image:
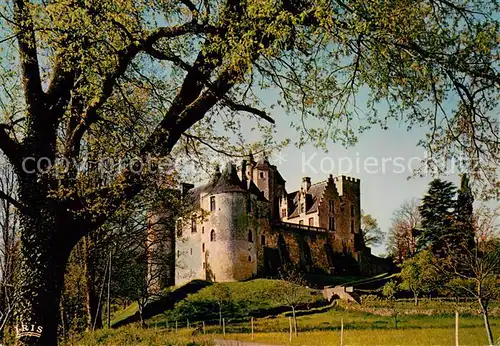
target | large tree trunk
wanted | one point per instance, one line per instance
(47, 235)
(487, 327)
(43, 258)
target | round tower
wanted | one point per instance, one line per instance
(230, 252)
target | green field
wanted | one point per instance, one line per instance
(246, 298)
(432, 322)
(407, 337)
(370, 330)
(360, 328)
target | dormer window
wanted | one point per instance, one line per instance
(302, 207)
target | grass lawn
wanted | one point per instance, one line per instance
(132, 335)
(360, 328)
(406, 337)
(431, 323)
(124, 313)
(246, 298)
(354, 320)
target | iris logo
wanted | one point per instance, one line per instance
(28, 330)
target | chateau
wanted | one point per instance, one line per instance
(244, 224)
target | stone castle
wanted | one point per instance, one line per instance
(244, 224)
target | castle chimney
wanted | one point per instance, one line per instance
(216, 174)
(251, 163)
(243, 170)
(306, 183)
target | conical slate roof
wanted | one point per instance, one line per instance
(228, 181)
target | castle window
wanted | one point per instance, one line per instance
(249, 205)
(262, 240)
(212, 235)
(262, 175)
(283, 213)
(352, 226)
(331, 224)
(203, 247)
(250, 236)
(352, 210)
(311, 221)
(212, 203)
(191, 251)
(178, 253)
(301, 222)
(204, 265)
(193, 225)
(179, 227)
(202, 229)
(332, 206)
(302, 207)
(249, 258)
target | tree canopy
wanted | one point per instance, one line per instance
(135, 81)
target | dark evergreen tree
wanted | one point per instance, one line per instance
(438, 217)
(464, 212)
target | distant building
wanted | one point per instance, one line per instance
(244, 224)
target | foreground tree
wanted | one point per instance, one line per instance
(222, 295)
(419, 275)
(476, 272)
(292, 292)
(389, 290)
(148, 76)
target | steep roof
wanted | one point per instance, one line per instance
(225, 182)
(313, 196)
(316, 191)
(228, 181)
(279, 178)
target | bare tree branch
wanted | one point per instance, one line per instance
(244, 108)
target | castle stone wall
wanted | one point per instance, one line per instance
(306, 250)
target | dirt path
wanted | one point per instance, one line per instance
(221, 342)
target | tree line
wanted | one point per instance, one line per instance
(446, 247)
